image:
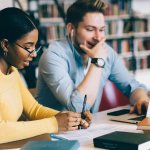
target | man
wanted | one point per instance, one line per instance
(81, 64)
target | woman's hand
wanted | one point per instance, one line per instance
(68, 121)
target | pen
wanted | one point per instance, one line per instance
(83, 110)
(53, 136)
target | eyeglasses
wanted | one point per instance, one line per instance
(30, 52)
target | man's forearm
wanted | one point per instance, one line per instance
(90, 84)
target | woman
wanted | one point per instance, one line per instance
(18, 37)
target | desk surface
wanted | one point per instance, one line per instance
(16, 144)
(100, 122)
(101, 125)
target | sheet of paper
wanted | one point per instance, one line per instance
(148, 111)
(85, 136)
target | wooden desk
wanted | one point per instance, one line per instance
(20, 143)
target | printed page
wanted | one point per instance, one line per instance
(85, 136)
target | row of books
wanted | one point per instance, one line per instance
(54, 32)
(49, 9)
(119, 7)
(137, 63)
(129, 45)
(121, 26)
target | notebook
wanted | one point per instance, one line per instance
(128, 118)
(52, 145)
(123, 141)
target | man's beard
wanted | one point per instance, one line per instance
(77, 47)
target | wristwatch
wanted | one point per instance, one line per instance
(99, 62)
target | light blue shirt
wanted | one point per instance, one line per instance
(61, 71)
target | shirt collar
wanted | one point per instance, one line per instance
(74, 51)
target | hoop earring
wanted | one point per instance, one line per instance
(5, 53)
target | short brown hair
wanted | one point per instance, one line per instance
(78, 9)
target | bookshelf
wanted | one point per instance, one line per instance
(127, 32)
(51, 19)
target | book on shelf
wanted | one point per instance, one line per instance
(118, 7)
(123, 141)
(144, 125)
(126, 30)
(53, 145)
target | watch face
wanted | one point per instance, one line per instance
(100, 62)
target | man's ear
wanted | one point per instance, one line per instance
(70, 30)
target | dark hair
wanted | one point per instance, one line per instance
(78, 9)
(14, 23)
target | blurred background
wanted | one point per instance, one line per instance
(127, 30)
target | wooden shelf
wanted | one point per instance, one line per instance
(128, 35)
(51, 21)
(138, 54)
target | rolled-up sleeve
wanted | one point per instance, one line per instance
(76, 102)
(122, 78)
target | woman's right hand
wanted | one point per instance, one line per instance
(68, 121)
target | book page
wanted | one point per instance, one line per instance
(85, 136)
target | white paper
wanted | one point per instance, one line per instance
(148, 111)
(85, 136)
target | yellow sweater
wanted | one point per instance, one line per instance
(16, 99)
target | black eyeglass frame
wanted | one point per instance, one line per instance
(30, 52)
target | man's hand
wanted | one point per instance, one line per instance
(88, 117)
(88, 120)
(98, 51)
(141, 101)
(139, 107)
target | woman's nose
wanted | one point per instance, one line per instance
(33, 54)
